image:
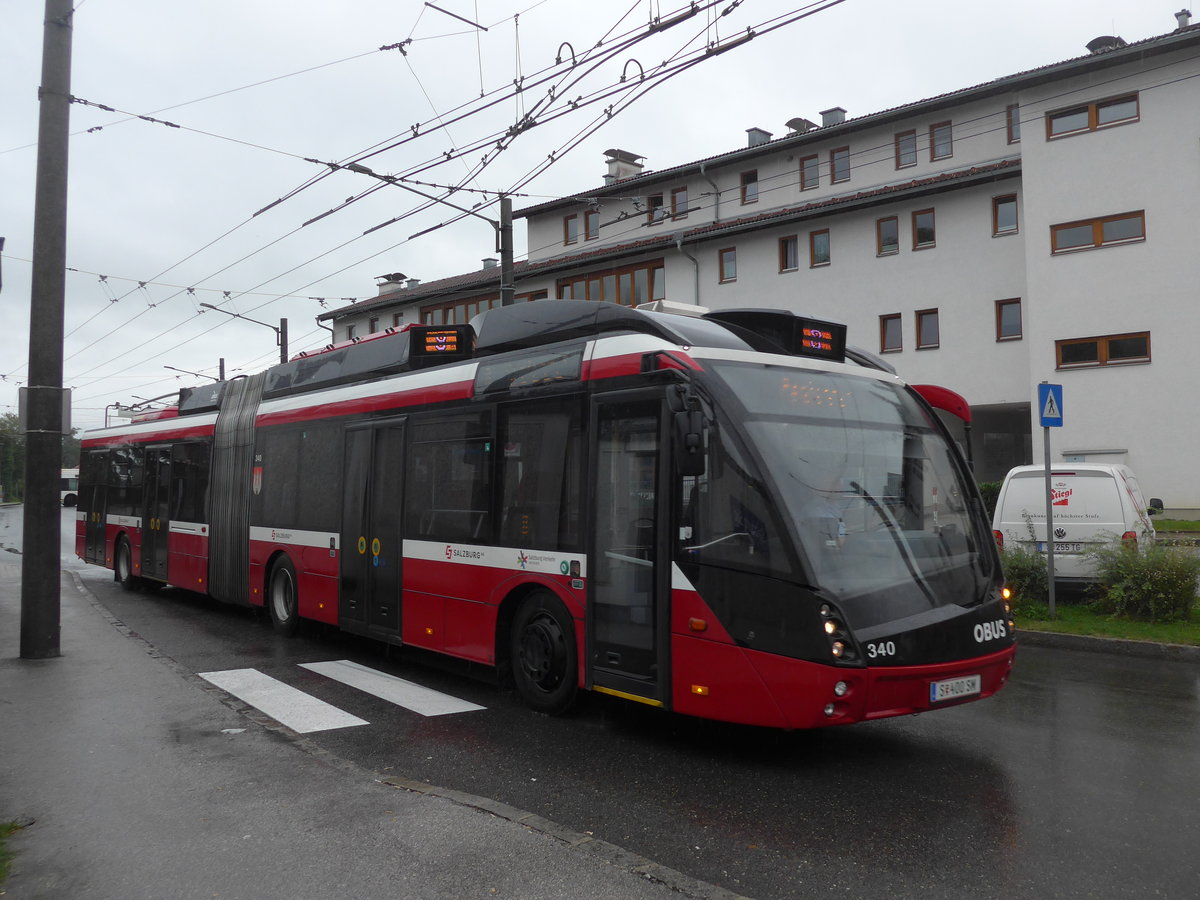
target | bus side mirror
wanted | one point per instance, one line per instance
(1156, 507)
(689, 442)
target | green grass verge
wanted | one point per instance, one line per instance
(1175, 525)
(6, 828)
(1081, 619)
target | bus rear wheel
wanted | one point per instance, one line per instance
(283, 598)
(543, 654)
(123, 566)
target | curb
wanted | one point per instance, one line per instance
(1118, 646)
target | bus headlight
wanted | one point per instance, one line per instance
(839, 689)
(838, 649)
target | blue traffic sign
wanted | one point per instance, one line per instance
(1050, 405)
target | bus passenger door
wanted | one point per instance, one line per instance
(371, 542)
(155, 518)
(627, 615)
(93, 470)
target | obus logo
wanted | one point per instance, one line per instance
(990, 631)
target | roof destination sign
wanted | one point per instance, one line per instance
(1050, 405)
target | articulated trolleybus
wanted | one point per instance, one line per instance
(728, 515)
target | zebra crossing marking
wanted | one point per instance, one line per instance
(417, 698)
(299, 711)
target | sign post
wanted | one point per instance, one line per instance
(1050, 405)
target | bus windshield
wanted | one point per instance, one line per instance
(871, 490)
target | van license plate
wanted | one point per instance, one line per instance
(954, 688)
(1062, 547)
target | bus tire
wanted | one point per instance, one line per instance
(542, 654)
(283, 597)
(123, 565)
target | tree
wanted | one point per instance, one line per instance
(12, 458)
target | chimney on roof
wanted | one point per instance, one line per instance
(1104, 43)
(621, 165)
(833, 116)
(1184, 18)
(391, 282)
(490, 262)
(800, 126)
(412, 283)
(757, 137)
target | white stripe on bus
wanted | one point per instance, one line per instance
(188, 527)
(414, 697)
(295, 537)
(544, 562)
(295, 709)
(463, 373)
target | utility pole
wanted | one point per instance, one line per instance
(40, 597)
(506, 251)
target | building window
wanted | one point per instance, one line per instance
(679, 203)
(1089, 233)
(626, 286)
(570, 229)
(1004, 215)
(1008, 320)
(654, 209)
(351, 331)
(1102, 113)
(923, 233)
(906, 149)
(750, 186)
(810, 172)
(591, 224)
(928, 335)
(372, 324)
(818, 248)
(839, 164)
(941, 141)
(458, 312)
(395, 320)
(891, 339)
(789, 253)
(728, 263)
(1110, 350)
(1012, 114)
(887, 236)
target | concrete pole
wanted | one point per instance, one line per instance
(40, 598)
(506, 251)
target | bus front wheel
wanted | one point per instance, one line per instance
(282, 598)
(543, 655)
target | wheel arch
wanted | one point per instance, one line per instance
(507, 610)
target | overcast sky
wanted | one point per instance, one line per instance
(262, 87)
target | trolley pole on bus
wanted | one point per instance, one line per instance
(1050, 404)
(281, 333)
(43, 406)
(506, 251)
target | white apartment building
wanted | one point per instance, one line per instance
(1038, 227)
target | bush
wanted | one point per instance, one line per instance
(1157, 584)
(991, 492)
(1025, 573)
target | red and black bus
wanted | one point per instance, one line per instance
(729, 515)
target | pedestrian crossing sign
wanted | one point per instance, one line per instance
(1050, 405)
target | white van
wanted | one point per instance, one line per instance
(1093, 504)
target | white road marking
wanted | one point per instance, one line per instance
(411, 696)
(295, 709)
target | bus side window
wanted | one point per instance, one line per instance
(448, 495)
(540, 476)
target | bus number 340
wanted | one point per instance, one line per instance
(881, 648)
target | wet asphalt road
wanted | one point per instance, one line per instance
(1081, 779)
